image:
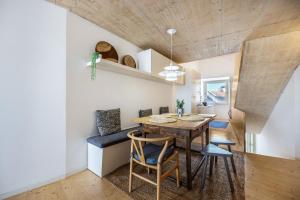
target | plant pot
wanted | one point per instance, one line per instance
(180, 111)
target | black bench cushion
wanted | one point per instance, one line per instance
(108, 121)
(108, 140)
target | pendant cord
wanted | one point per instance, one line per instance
(221, 31)
(172, 71)
(171, 62)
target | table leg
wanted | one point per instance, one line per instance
(188, 160)
(202, 139)
(144, 134)
(207, 135)
(143, 131)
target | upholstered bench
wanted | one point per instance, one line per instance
(111, 148)
(107, 153)
(109, 140)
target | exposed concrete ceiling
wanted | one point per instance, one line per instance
(267, 65)
(268, 30)
(205, 28)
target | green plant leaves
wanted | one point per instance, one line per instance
(94, 57)
(179, 104)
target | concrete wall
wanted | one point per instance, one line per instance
(109, 90)
(280, 135)
(267, 65)
(33, 97)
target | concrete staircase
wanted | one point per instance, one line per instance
(269, 58)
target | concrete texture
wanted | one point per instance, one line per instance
(267, 65)
(205, 28)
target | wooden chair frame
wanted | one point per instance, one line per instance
(137, 146)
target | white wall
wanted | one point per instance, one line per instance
(187, 91)
(215, 67)
(109, 90)
(221, 66)
(280, 136)
(32, 101)
(297, 111)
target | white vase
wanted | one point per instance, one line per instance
(179, 112)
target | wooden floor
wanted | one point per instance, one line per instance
(266, 178)
(81, 186)
(270, 178)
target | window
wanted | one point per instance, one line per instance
(250, 143)
(216, 90)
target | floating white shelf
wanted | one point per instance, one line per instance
(129, 71)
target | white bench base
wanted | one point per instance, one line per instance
(103, 161)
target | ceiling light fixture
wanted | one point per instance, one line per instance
(171, 72)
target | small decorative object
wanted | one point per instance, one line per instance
(179, 112)
(202, 101)
(129, 61)
(94, 57)
(179, 106)
(107, 51)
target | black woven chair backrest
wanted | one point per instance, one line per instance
(163, 110)
(145, 113)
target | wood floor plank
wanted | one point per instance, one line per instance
(271, 178)
(266, 178)
(81, 186)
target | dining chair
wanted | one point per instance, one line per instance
(145, 113)
(228, 143)
(143, 152)
(209, 152)
(148, 130)
(163, 110)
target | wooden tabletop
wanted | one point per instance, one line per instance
(179, 124)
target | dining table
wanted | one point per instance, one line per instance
(181, 128)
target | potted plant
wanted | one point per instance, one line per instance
(94, 58)
(203, 101)
(179, 106)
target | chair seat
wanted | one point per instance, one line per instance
(213, 150)
(218, 124)
(152, 151)
(221, 141)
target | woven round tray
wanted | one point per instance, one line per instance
(129, 61)
(107, 51)
(192, 118)
(162, 120)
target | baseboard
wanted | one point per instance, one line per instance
(75, 171)
(31, 187)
